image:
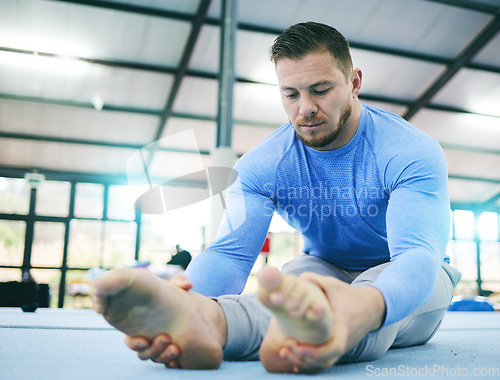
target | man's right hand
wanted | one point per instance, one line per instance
(161, 349)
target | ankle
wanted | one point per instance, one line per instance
(375, 305)
(216, 320)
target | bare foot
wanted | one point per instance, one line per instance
(140, 304)
(301, 311)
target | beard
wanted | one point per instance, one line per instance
(317, 142)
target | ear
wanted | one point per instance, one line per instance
(356, 77)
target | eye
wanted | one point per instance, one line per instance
(291, 95)
(321, 92)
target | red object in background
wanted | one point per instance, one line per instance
(266, 249)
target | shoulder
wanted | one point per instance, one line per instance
(257, 167)
(268, 153)
(401, 148)
(392, 133)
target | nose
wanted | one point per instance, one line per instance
(307, 107)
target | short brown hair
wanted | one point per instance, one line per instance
(309, 37)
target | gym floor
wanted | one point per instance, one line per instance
(79, 344)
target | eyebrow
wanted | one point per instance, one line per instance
(322, 83)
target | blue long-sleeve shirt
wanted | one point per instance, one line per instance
(382, 197)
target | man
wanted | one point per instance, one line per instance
(368, 192)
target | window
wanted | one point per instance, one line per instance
(121, 201)
(93, 240)
(52, 277)
(52, 198)
(153, 248)
(85, 243)
(463, 256)
(490, 261)
(184, 225)
(119, 243)
(464, 224)
(48, 244)
(487, 226)
(12, 234)
(15, 197)
(89, 200)
(8, 274)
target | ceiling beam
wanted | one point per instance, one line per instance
(104, 62)
(182, 115)
(470, 5)
(107, 144)
(103, 178)
(183, 66)
(492, 201)
(475, 207)
(447, 108)
(477, 179)
(485, 36)
(132, 8)
(466, 148)
(72, 103)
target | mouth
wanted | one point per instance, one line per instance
(310, 127)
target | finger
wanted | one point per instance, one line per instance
(173, 364)
(136, 343)
(301, 364)
(285, 354)
(169, 355)
(314, 364)
(154, 351)
(181, 281)
(318, 280)
(329, 285)
(323, 356)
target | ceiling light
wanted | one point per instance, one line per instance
(97, 102)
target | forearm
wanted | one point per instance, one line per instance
(407, 283)
(223, 268)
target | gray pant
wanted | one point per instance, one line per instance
(247, 319)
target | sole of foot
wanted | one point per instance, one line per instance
(140, 304)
